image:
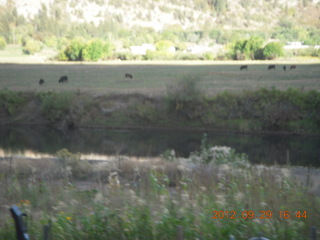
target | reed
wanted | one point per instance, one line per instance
(131, 199)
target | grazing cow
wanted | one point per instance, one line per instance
(128, 76)
(293, 67)
(244, 67)
(272, 67)
(41, 81)
(284, 68)
(63, 79)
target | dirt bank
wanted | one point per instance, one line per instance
(258, 111)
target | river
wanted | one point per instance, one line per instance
(265, 149)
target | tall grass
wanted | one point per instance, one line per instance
(151, 199)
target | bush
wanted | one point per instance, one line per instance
(54, 106)
(246, 49)
(3, 43)
(10, 101)
(124, 56)
(73, 51)
(93, 50)
(32, 46)
(186, 98)
(273, 50)
(79, 168)
(218, 155)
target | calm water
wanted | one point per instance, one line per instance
(267, 149)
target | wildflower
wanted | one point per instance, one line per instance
(69, 218)
(220, 200)
(98, 198)
(239, 196)
(24, 202)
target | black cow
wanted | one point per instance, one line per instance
(244, 67)
(293, 67)
(63, 79)
(284, 68)
(272, 67)
(41, 81)
(128, 76)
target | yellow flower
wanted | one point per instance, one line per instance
(69, 218)
(25, 202)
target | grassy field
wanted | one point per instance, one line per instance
(147, 199)
(153, 78)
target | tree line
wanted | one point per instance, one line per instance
(111, 39)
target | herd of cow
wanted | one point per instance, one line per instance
(128, 76)
(64, 79)
(270, 67)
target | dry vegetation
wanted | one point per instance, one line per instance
(129, 198)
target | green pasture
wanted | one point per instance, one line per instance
(154, 78)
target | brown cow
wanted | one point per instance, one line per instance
(63, 79)
(128, 76)
(272, 67)
(293, 67)
(244, 67)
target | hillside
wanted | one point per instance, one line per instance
(188, 14)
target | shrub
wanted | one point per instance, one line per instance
(79, 168)
(246, 49)
(73, 51)
(10, 101)
(54, 106)
(93, 50)
(186, 98)
(32, 46)
(273, 50)
(3, 43)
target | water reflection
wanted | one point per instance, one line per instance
(267, 149)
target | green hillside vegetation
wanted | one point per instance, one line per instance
(244, 29)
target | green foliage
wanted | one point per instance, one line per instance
(186, 98)
(163, 45)
(247, 49)
(10, 101)
(150, 208)
(218, 155)
(32, 46)
(93, 50)
(54, 106)
(273, 50)
(3, 43)
(144, 112)
(73, 51)
(158, 55)
(78, 168)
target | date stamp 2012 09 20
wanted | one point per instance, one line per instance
(258, 214)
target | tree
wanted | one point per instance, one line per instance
(93, 50)
(32, 46)
(273, 50)
(73, 51)
(244, 49)
(2, 43)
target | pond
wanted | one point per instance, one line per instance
(266, 149)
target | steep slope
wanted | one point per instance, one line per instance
(189, 14)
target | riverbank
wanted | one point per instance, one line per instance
(218, 199)
(261, 111)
